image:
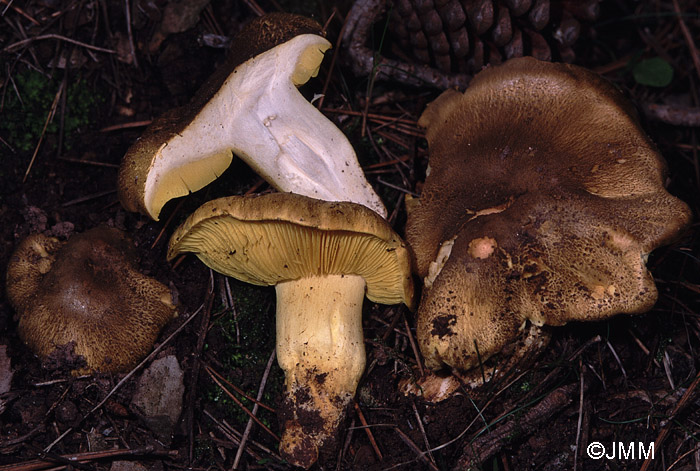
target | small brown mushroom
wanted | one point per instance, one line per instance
(543, 200)
(87, 291)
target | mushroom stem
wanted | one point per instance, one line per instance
(322, 256)
(320, 347)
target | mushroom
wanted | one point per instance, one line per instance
(251, 107)
(322, 258)
(87, 291)
(543, 200)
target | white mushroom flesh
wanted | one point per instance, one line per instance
(260, 115)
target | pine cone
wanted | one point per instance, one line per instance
(456, 38)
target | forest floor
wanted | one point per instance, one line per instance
(101, 75)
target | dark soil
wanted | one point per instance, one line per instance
(629, 379)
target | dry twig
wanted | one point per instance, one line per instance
(10, 4)
(370, 436)
(687, 398)
(72, 460)
(675, 115)
(687, 35)
(24, 42)
(214, 377)
(49, 117)
(486, 446)
(420, 453)
(128, 376)
(194, 375)
(249, 425)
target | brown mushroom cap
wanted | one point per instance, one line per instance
(276, 237)
(543, 199)
(87, 291)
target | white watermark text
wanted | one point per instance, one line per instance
(621, 451)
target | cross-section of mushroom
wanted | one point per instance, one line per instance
(250, 107)
(322, 257)
(87, 291)
(543, 200)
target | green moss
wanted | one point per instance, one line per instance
(24, 111)
(661, 350)
(244, 341)
(525, 386)
(204, 449)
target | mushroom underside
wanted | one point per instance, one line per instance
(323, 257)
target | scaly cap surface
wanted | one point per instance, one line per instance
(543, 199)
(87, 291)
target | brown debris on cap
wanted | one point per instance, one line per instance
(543, 200)
(87, 291)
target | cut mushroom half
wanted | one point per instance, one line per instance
(549, 197)
(323, 258)
(250, 107)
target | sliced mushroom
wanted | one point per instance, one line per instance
(322, 257)
(87, 291)
(250, 107)
(543, 201)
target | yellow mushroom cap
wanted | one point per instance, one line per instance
(277, 237)
(543, 199)
(87, 291)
